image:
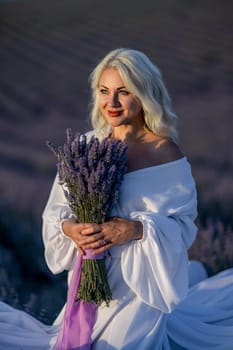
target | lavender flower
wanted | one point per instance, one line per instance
(91, 173)
(213, 246)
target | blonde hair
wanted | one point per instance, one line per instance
(143, 79)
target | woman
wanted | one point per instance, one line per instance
(153, 306)
(153, 224)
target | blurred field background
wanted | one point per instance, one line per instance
(47, 50)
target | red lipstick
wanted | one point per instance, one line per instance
(112, 113)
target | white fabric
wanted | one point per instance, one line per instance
(160, 300)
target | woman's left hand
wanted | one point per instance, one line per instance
(116, 231)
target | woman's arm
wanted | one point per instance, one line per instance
(156, 267)
(60, 250)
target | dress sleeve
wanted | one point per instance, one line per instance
(60, 250)
(156, 267)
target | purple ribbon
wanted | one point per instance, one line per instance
(76, 328)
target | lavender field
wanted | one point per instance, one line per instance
(47, 51)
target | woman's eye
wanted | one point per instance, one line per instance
(103, 91)
(124, 92)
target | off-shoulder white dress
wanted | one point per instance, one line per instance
(160, 300)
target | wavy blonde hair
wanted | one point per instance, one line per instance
(143, 79)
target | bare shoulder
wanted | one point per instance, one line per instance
(168, 151)
(154, 150)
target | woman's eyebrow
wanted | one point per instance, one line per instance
(119, 88)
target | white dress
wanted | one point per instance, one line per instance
(160, 300)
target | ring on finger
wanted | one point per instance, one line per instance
(105, 241)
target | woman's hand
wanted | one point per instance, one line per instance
(101, 237)
(73, 230)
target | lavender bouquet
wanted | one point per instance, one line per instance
(91, 172)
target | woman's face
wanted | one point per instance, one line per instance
(116, 103)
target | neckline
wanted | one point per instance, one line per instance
(158, 166)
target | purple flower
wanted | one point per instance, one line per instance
(91, 173)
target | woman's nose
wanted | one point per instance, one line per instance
(114, 100)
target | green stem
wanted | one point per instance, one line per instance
(94, 287)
